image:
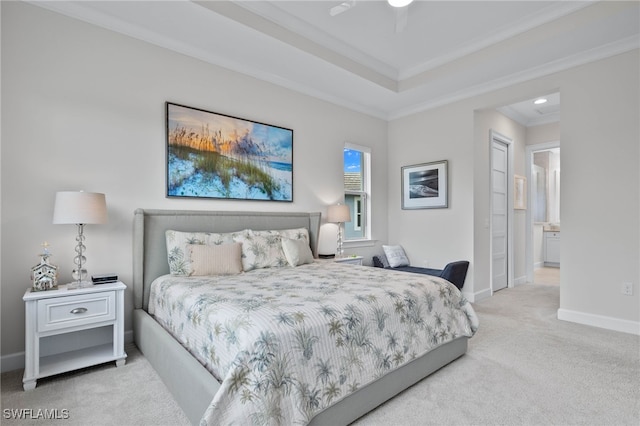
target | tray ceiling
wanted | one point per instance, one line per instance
(373, 58)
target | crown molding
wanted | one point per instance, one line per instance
(592, 55)
(513, 29)
(519, 118)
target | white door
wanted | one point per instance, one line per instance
(499, 214)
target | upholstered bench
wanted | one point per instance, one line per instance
(454, 272)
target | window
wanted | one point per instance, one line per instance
(357, 160)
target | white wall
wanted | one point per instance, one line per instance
(83, 108)
(600, 190)
(434, 237)
(459, 134)
(600, 186)
(543, 133)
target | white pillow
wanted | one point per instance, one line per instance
(297, 252)
(224, 259)
(395, 256)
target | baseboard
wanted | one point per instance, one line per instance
(601, 321)
(476, 297)
(520, 280)
(12, 362)
(15, 361)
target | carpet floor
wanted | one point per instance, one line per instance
(103, 395)
(523, 367)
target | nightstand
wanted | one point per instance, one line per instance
(65, 329)
(351, 260)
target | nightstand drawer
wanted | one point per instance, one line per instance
(350, 260)
(73, 311)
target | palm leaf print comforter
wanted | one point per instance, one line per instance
(286, 343)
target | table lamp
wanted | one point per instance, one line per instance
(79, 208)
(339, 213)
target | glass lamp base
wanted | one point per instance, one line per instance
(79, 276)
(79, 284)
(79, 279)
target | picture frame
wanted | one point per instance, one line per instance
(218, 156)
(519, 192)
(425, 186)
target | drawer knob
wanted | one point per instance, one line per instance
(79, 310)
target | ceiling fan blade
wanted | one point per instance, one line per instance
(342, 7)
(402, 17)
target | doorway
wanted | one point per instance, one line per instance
(543, 218)
(501, 214)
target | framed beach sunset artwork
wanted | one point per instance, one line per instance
(211, 155)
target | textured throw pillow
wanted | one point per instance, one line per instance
(297, 252)
(261, 249)
(396, 256)
(295, 234)
(224, 259)
(177, 242)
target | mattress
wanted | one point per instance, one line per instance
(286, 343)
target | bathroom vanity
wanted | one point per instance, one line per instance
(551, 245)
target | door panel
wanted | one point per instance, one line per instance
(499, 214)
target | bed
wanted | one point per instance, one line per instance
(193, 383)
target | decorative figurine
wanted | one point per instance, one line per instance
(44, 275)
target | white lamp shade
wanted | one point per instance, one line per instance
(338, 213)
(80, 207)
(399, 3)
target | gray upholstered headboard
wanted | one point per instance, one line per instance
(149, 243)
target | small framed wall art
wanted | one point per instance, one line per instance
(425, 186)
(212, 155)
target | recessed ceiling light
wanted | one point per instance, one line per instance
(540, 101)
(399, 3)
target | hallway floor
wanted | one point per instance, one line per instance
(546, 276)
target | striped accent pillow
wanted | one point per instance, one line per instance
(224, 259)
